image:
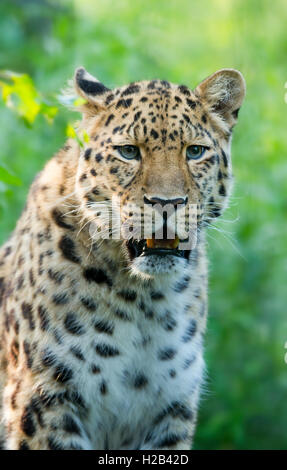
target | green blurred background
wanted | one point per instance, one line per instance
(244, 405)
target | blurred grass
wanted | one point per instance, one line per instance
(244, 406)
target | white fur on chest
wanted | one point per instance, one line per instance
(154, 368)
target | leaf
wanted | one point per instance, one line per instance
(81, 137)
(70, 131)
(8, 178)
(20, 94)
(86, 137)
(79, 101)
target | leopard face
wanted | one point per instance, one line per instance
(153, 146)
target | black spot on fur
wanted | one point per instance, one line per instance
(89, 303)
(165, 83)
(105, 350)
(190, 331)
(171, 440)
(97, 275)
(183, 89)
(27, 351)
(27, 423)
(152, 85)
(27, 313)
(48, 358)
(72, 325)
(225, 161)
(62, 373)
(95, 369)
(175, 410)
(215, 212)
(137, 116)
(166, 354)
(8, 251)
(60, 299)
(68, 249)
(222, 190)
(103, 388)
(124, 103)
(70, 426)
(87, 154)
(122, 315)
(20, 282)
(187, 362)
(54, 445)
(77, 353)
(186, 118)
(191, 103)
(157, 295)
(109, 98)
(131, 89)
(127, 295)
(31, 278)
(104, 326)
(140, 381)
(56, 276)
(116, 129)
(44, 320)
(154, 134)
(182, 284)
(168, 322)
(59, 219)
(98, 157)
(110, 118)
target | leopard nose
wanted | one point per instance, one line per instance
(153, 200)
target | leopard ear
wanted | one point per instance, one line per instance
(223, 92)
(89, 88)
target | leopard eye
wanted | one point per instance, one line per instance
(130, 152)
(194, 152)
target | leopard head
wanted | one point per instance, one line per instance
(156, 168)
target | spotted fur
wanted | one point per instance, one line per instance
(99, 351)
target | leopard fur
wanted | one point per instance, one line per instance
(98, 350)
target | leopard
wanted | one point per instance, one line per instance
(102, 328)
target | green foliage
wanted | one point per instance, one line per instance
(19, 93)
(244, 405)
(8, 178)
(81, 138)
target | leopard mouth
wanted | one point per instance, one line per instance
(153, 246)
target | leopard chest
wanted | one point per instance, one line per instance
(149, 360)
